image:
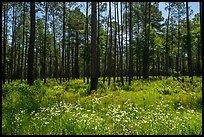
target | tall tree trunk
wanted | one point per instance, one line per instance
(12, 44)
(198, 73)
(94, 61)
(130, 46)
(190, 71)
(32, 43)
(65, 62)
(167, 62)
(87, 46)
(7, 65)
(199, 69)
(59, 55)
(25, 61)
(41, 57)
(149, 42)
(201, 28)
(36, 62)
(18, 62)
(68, 57)
(63, 44)
(138, 52)
(146, 48)
(171, 52)
(44, 47)
(183, 63)
(158, 65)
(76, 65)
(106, 50)
(115, 43)
(15, 58)
(110, 48)
(98, 41)
(178, 56)
(50, 69)
(55, 50)
(72, 58)
(84, 57)
(4, 48)
(126, 72)
(121, 46)
(23, 42)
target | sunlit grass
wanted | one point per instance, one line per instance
(155, 107)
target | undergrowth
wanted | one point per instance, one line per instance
(153, 106)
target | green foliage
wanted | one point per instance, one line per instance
(146, 107)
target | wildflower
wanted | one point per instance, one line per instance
(46, 123)
(181, 107)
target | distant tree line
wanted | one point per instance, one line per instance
(121, 41)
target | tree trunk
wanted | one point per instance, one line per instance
(198, 59)
(178, 56)
(201, 28)
(4, 48)
(94, 61)
(32, 43)
(190, 71)
(110, 48)
(106, 50)
(130, 46)
(23, 42)
(76, 65)
(72, 48)
(36, 61)
(50, 69)
(63, 44)
(25, 61)
(126, 72)
(55, 50)
(167, 62)
(98, 41)
(146, 48)
(115, 44)
(121, 46)
(149, 20)
(87, 46)
(138, 65)
(44, 47)
(68, 57)
(12, 45)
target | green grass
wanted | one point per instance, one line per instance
(147, 107)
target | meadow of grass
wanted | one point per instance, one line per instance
(147, 107)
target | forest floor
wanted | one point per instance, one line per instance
(156, 107)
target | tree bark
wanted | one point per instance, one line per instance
(68, 57)
(126, 72)
(87, 46)
(106, 50)
(44, 47)
(167, 62)
(178, 56)
(121, 46)
(76, 65)
(110, 48)
(146, 48)
(63, 44)
(190, 71)
(94, 61)
(130, 47)
(4, 48)
(55, 50)
(115, 45)
(32, 43)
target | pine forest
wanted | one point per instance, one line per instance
(101, 68)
